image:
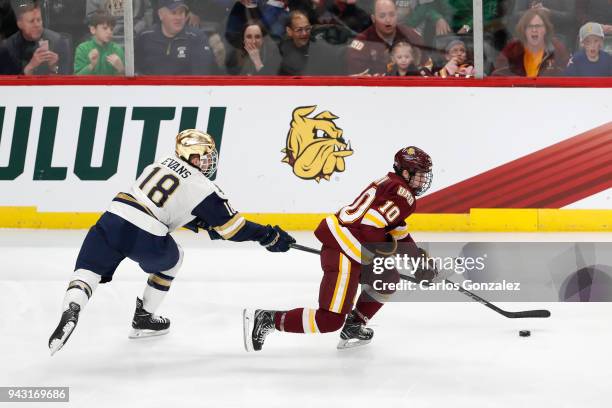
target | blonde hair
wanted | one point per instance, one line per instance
(414, 51)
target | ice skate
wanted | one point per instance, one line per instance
(257, 324)
(64, 329)
(354, 333)
(145, 324)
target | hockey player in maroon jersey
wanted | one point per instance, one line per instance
(377, 215)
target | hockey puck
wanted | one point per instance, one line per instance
(524, 333)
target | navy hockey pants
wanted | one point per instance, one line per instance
(113, 239)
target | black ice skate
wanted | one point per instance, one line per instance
(145, 324)
(354, 333)
(64, 329)
(257, 324)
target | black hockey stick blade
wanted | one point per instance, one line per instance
(528, 313)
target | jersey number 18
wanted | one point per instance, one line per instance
(162, 190)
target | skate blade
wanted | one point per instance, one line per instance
(248, 318)
(141, 334)
(348, 344)
(57, 344)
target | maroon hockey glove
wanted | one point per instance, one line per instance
(425, 272)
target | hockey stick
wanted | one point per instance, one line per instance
(512, 315)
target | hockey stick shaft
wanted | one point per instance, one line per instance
(305, 249)
(512, 315)
(475, 297)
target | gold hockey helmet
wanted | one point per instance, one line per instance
(192, 141)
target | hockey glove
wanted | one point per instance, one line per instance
(276, 240)
(425, 272)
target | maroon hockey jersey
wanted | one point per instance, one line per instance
(377, 215)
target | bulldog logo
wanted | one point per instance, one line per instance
(315, 147)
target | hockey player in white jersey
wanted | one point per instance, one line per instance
(171, 193)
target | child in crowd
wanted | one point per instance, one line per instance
(591, 60)
(457, 64)
(100, 55)
(404, 59)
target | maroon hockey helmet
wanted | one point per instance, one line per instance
(414, 160)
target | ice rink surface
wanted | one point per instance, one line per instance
(422, 355)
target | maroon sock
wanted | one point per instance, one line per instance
(319, 321)
(366, 307)
(289, 321)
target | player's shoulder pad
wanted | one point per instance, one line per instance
(357, 45)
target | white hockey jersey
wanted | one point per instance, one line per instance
(169, 194)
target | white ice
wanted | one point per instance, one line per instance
(423, 354)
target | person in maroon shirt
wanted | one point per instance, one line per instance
(369, 52)
(377, 215)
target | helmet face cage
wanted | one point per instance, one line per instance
(190, 142)
(418, 164)
(208, 162)
(423, 178)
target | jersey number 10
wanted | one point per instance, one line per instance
(353, 212)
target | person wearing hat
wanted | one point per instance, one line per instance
(172, 48)
(35, 49)
(591, 60)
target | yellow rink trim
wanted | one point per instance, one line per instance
(479, 219)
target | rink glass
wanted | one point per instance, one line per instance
(439, 22)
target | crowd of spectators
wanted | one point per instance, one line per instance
(306, 37)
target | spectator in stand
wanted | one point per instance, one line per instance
(457, 63)
(562, 15)
(35, 49)
(100, 55)
(172, 48)
(208, 16)
(301, 56)
(259, 54)
(595, 10)
(404, 60)
(8, 24)
(142, 12)
(535, 52)
(272, 13)
(591, 60)
(368, 53)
